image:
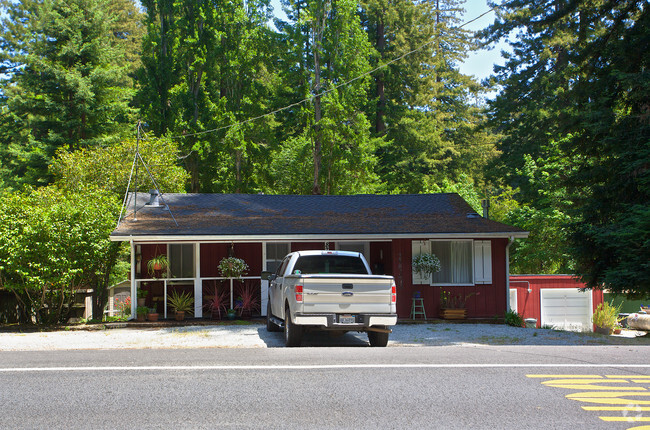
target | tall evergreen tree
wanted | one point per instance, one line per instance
(329, 48)
(206, 67)
(422, 104)
(68, 85)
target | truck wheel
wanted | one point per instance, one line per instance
(378, 339)
(270, 325)
(292, 332)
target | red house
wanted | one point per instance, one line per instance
(195, 231)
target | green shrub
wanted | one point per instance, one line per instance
(514, 319)
(606, 315)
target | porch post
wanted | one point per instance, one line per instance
(134, 290)
(264, 284)
(198, 285)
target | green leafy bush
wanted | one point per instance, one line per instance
(514, 318)
(606, 315)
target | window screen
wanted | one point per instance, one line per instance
(275, 252)
(181, 260)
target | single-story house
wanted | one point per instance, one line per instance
(195, 231)
(558, 301)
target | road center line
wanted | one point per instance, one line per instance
(320, 367)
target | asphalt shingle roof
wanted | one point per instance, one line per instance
(273, 215)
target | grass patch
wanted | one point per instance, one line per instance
(500, 340)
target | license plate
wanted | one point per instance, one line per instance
(347, 319)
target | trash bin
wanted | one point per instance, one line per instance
(531, 322)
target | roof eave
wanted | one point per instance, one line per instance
(314, 237)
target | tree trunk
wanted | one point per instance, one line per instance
(380, 126)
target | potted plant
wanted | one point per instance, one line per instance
(158, 263)
(232, 314)
(142, 294)
(182, 303)
(217, 303)
(605, 317)
(453, 306)
(232, 267)
(249, 300)
(426, 264)
(152, 315)
(141, 312)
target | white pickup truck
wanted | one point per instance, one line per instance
(330, 290)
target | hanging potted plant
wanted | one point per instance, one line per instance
(426, 264)
(182, 303)
(158, 263)
(233, 267)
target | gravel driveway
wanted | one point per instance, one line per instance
(254, 335)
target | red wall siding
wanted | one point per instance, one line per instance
(483, 301)
(381, 258)
(529, 304)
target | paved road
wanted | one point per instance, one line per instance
(450, 387)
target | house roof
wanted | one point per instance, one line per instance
(258, 216)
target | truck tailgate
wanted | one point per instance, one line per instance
(349, 294)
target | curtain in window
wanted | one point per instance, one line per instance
(461, 257)
(455, 261)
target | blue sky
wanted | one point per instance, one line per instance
(479, 63)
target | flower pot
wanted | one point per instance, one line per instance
(152, 317)
(232, 315)
(180, 315)
(141, 301)
(453, 314)
(604, 330)
(141, 317)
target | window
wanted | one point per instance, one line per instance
(482, 261)
(455, 260)
(420, 247)
(275, 252)
(312, 264)
(181, 260)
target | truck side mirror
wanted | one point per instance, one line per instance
(267, 276)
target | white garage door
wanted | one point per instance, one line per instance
(566, 309)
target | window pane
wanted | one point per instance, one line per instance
(455, 261)
(442, 250)
(181, 260)
(275, 252)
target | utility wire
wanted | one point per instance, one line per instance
(363, 75)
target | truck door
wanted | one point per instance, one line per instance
(275, 287)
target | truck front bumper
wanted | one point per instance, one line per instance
(331, 321)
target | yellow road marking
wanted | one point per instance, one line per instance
(626, 419)
(617, 408)
(590, 384)
(610, 397)
(565, 376)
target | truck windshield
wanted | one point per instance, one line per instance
(314, 264)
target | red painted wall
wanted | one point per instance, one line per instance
(483, 300)
(529, 304)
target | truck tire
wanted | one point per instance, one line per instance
(292, 332)
(378, 339)
(270, 325)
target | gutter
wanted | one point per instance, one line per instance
(157, 238)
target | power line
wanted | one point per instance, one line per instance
(363, 75)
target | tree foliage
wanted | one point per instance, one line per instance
(54, 241)
(67, 82)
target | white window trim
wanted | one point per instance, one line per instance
(454, 284)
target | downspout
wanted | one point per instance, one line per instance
(511, 240)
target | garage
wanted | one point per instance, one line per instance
(554, 300)
(566, 309)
